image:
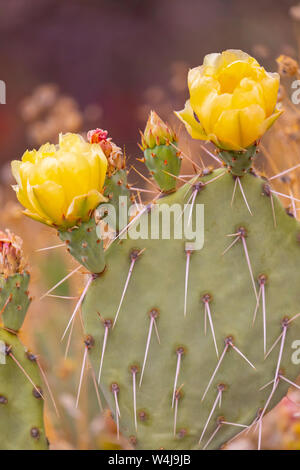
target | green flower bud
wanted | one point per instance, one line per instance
(157, 132)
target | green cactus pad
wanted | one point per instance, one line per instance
(85, 246)
(115, 186)
(238, 162)
(21, 406)
(160, 161)
(157, 284)
(14, 300)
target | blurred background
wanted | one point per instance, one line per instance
(79, 64)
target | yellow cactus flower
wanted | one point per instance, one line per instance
(61, 185)
(232, 100)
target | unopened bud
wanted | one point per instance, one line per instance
(112, 152)
(12, 260)
(157, 132)
(95, 136)
(99, 136)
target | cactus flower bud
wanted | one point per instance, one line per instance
(156, 132)
(95, 136)
(60, 185)
(14, 279)
(113, 153)
(99, 136)
(12, 260)
(161, 154)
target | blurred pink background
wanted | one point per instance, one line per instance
(116, 59)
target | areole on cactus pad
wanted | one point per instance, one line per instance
(191, 346)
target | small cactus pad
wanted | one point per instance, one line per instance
(14, 299)
(238, 162)
(163, 161)
(261, 269)
(85, 246)
(21, 404)
(115, 186)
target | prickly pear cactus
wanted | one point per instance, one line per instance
(191, 342)
(221, 292)
(21, 396)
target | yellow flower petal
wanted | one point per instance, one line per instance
(231, 76)
(270, 86)
(34, 216)
(22, 198)
(200, 86)
(228, 130)
(21, 188)
(103, 168)
(94, 162)
(46, 150)
(232, 55)
(81, 206)
(29, 156)
(70, 142)
(203, 91)
(240, 128)
(195, 129)
(75, 174)
(24, 172)
(212, 61)
(251, 120)
(15, 169)
(29, 173)
(203, 108)
(269, 121)
(34, 204)
(51, 199)
(50, 170)
(214, 109)
(247, 93)
(99, 162)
